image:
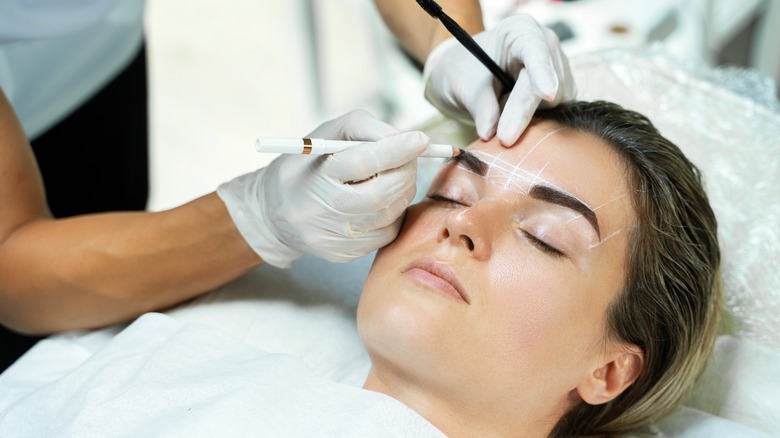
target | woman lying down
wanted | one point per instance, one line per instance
(566, 286)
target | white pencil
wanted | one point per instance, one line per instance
(319, 146)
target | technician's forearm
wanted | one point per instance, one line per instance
(418, 32)
(95, 270)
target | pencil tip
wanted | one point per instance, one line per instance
(456, 151)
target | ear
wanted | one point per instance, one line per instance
(613, 375)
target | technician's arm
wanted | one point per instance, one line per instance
(94, 270)
(418, 32)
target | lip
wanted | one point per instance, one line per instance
(438, 276)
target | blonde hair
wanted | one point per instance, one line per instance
(670, 303)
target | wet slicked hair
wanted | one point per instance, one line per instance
(670, 302)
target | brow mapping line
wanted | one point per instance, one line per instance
(504, 166)
(538, 176)
(609, 236)
(530, 151)
(541, 140)
(577, 216)
(529, 180)
(518, 176)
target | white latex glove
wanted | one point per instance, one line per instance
(461, 87)
(337, 207)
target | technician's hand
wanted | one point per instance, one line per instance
(462, 88)
(338, 207)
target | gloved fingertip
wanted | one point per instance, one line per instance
(548, 89)
(486, 132)
(507, 141)
(545, 82)
(422, 138)
(486, 126)
(509, 134)
(416, 138)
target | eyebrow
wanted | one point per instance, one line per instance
(554, 196)
(471, 162)
(542, 193)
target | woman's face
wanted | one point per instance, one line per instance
(494, 294)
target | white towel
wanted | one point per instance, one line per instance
(162, 377)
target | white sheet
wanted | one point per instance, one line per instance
(160, 377)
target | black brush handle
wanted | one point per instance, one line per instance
(468, 42)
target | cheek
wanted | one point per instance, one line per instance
(535, 313)
(384, 307)
(420, 225)
(522, 302)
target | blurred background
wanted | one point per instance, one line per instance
(223, 73)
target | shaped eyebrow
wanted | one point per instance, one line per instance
(471, 162)
(554, 196)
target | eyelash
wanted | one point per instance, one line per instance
(443, 199)
(540, 244)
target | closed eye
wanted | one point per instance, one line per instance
(445, 200)
(542, 245)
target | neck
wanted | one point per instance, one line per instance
(455, 417)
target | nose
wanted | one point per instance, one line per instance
(472, 228)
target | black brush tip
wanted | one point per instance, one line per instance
(431, 7)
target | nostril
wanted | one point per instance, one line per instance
(469, 242)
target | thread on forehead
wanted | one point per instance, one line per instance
(577, 216)
(541, 140)
(538, 176)
(610, 201)
(516, 169)
(491, 164)
(609, 236)
(497, 164)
